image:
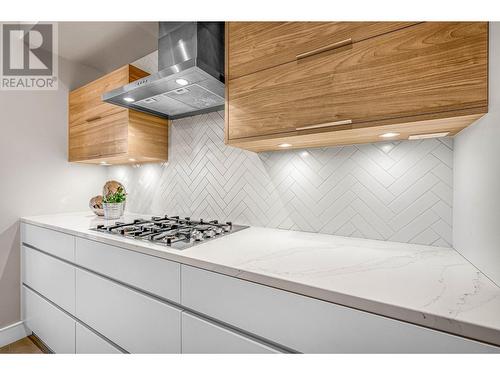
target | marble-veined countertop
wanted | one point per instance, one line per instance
(431, 286)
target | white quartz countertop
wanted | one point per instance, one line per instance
(431, 286)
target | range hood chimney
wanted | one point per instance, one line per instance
(190, 78)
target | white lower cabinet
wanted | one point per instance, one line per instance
(49, 276)
(87, 342)
(201, 336)
(49, 323)
(106, 299)
(308, 325)
(134, 321)
(154, 275)
(56, 243)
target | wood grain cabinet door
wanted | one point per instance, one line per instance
(257, 46)
(423, 69)
(99, 131)
(100, 137)
(85, 103)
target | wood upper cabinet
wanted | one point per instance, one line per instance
(411, 79)
(103, 132)
(257, 46)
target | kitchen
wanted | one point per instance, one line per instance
(251, 187)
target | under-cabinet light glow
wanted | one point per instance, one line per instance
(388, 135)
(429, 135)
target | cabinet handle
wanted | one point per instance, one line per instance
(325, 125)
(93, 118)
(329, 47)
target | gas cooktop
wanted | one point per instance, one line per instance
(173, 231)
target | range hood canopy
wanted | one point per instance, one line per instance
(190, 78)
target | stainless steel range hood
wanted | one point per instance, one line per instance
(190, 78)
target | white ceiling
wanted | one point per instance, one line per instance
(106, 46)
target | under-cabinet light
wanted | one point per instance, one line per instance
(388, 135)
(428, 135)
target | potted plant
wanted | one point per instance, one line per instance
(114, 204)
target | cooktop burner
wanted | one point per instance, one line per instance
(173, 231)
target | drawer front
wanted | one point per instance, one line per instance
(309, 325)
(423, 69)
(50, 324)
(255, 46)
(87, 342)
(87, 113)
(104, 136)
(52, 278)
(203, 337)
(52, 242)
(85, 103)
(151, 274)
(135, 322)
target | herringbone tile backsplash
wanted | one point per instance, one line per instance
(400, 191)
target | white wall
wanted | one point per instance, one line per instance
(398, 191)
(35, 177)
(476, 218)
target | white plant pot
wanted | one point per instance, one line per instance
(113, 210)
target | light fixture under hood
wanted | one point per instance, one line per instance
(190, 79)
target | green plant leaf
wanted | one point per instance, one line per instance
(118, 197)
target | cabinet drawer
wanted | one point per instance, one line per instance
(102, 137)
(202, 336)
(87, 342)
(427, 68)
(52, 278)
(52, 242)
(151, 274)
(257, 46)
(88, 113)
(102, 132)
(85, 103)
(135, 322)
(309, 325)
(50, 324)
